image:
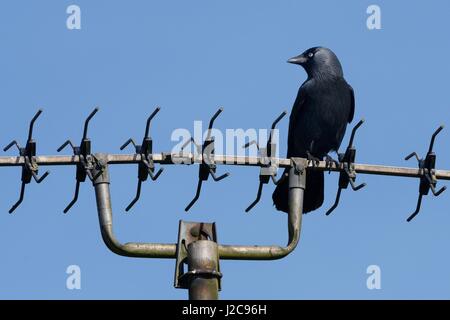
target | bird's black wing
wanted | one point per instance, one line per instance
(352, 104)
(293, 118)
(314, 192)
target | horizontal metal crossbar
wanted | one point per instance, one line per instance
(170, 159)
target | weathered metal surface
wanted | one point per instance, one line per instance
(225, 251)
(156, 250)
(297, 176)
(189, 232)
(203, 275)
(131, 249)
(168, 159)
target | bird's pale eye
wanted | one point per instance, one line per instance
(311, 54)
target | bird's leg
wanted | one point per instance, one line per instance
(315, 161)
(329, 161)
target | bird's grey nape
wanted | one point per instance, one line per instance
(322, 62)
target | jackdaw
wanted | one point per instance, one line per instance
(324, 105)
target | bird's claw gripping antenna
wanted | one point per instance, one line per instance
(207, 167)
(348, 175)
(428, 178)
(87, 161)
(269, 169)
(146, 166)
(30, 167)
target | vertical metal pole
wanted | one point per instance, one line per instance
(203, 263)
(297, 185)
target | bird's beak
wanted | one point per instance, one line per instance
(297, 60)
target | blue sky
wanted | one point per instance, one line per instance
(189, 58)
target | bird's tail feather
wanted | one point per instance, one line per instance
(313, 197)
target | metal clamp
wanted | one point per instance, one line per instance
(189, 233)
(146, 165)
(207, 166)
(428, 179)
(87, 161)
(269, 169)
(30, 167)
(348, 174)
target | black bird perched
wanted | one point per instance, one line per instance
(324, 105)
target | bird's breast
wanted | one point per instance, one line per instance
(324, 117)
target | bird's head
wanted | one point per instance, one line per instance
(319, 62)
